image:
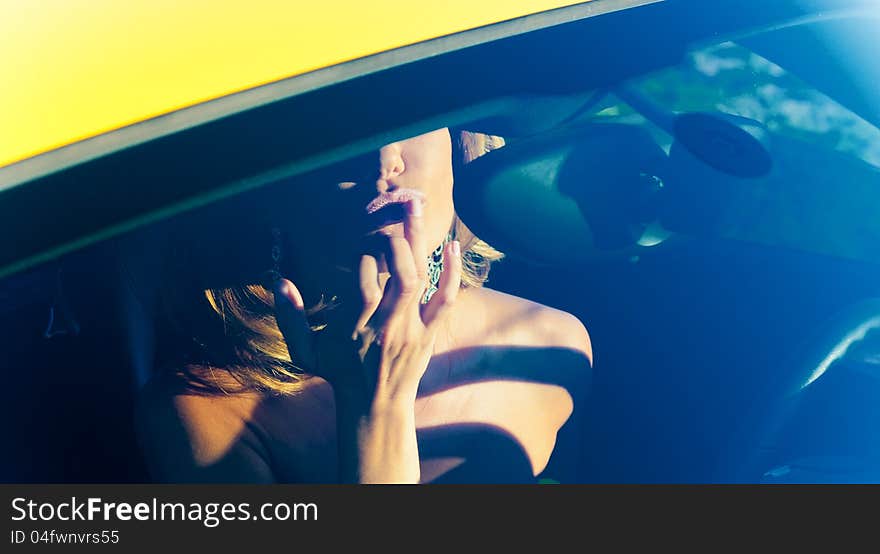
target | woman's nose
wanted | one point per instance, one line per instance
(390, 162)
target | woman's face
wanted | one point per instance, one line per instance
(420, 166)
(366, 200)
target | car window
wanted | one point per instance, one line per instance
(691, 333)
(730, 78)
(818, 196)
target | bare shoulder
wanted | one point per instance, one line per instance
(533, 324)
(533, 365)
(194, 437)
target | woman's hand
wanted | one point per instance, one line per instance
(375, 362)
(392, 333)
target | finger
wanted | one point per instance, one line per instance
(371, 291)
(437, 309)
(413, 229)
(294, 326)
(404, 282)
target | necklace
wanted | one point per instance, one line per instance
(435, 268)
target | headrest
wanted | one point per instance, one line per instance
(530, 114)
(566, 195)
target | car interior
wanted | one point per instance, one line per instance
(704, 201)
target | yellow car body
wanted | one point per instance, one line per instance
(74, 69)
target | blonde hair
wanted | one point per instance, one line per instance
(254, 355)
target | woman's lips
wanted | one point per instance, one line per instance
(396, 196)
(383, 216)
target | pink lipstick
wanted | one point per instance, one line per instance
(396, 196)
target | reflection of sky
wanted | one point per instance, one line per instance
(710, 64)
(781, 107)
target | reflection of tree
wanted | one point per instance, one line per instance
(732, 79)
(818, 196)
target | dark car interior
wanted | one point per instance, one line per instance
(726, 268)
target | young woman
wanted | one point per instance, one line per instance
(372, 353)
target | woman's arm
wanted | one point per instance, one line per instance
(394, 335)
(376, 440)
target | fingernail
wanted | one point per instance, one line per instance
(288, 291)
(278, 286)
(414, 207)
(456, 248)
(281, 288)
